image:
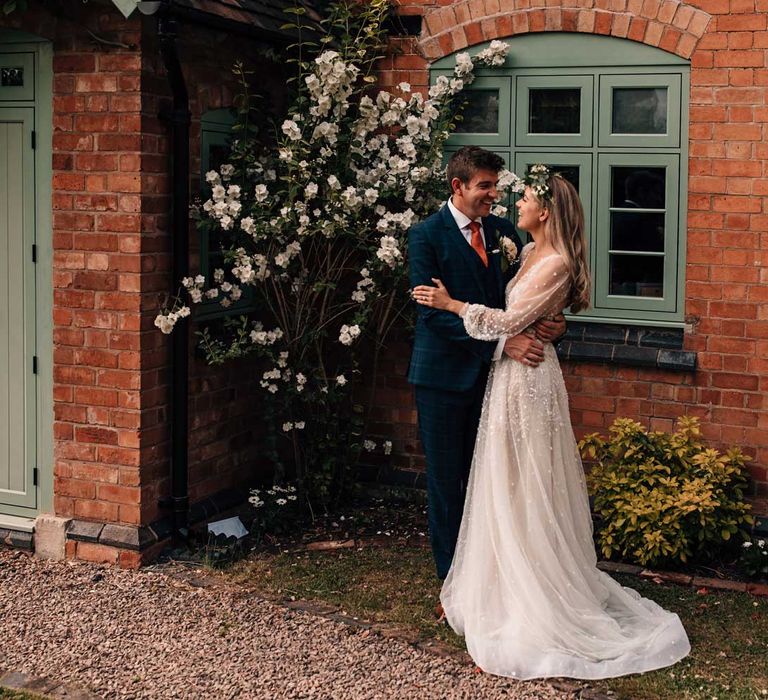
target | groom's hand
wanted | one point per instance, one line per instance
(525, 348)
(549, 331)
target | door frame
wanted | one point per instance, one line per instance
(43, 155)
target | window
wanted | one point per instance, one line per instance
(618, 132)
(215, 134)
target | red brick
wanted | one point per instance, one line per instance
(97, 553)
(101, 436)
(96, 396)
(95, 83)
(118, 494)
(119, 456)
(735, 381)
(74, 488)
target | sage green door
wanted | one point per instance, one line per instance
(18, 406)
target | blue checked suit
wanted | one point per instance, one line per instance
(448, 368)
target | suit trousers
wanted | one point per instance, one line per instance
(448, 422)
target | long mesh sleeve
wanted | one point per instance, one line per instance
(541, 292)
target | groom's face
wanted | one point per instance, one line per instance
(476, 197)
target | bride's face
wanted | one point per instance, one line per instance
(531, 215)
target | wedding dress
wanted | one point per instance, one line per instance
(523, 588)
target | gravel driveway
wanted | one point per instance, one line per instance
(152, 634)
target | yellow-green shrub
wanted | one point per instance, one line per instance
(663, 497)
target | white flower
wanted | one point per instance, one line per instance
(291, 130)
(333, 182)
(347, 334)
(285, 154)
(464, 65)
(212, 177)
(261, 193)
(509, 248)
(218, 193)
(369, 445)
(441, 87)
(287, 427)
(341, 380)
(281, 501)
(404, 87)
(165, 323)
(747, 544)
(388, 251)
(388, 447)
(327, 131)
(227, 170)
(310, 190)
(299, 425)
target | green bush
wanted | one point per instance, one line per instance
(661, 497)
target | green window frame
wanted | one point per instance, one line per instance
(215, 136)
(525, 84)
(499, 138)
(598, 67)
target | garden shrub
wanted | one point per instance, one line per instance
(664, 497)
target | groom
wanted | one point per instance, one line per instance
(460, 246)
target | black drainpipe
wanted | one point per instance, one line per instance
(179, 118)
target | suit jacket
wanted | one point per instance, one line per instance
(444, 356)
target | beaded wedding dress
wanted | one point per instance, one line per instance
(523, 588)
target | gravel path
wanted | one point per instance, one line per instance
(147, 634)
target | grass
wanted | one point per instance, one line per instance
(728, 631)
(7, 694)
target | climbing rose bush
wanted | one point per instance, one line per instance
(313, 230)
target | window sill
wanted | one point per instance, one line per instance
(636, 346)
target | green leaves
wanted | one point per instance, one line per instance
(657, 493)
(13, 5)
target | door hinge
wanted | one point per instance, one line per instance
(34, 476)
(34, 253)
(34, 139)
(34, 364)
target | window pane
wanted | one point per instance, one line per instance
(638, 187)
(637, 275)
(554, 111)
(218, 154)
(637, 231)
(481, 113)
(12, 77)
(639, 111)
(569, 172)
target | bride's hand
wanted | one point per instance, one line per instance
(434, 297)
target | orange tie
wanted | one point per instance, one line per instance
(477, 241)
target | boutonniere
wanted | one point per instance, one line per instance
(509, 252)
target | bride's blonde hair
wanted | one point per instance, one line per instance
(565, 230)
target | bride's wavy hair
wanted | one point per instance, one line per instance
(566, 231)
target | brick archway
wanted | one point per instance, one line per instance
(670, 25)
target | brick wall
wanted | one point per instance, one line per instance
(727, 262)
(111, 260)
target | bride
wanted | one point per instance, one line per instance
(523, 587)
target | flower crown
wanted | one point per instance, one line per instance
(536, 178)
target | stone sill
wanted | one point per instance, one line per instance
(636, 346)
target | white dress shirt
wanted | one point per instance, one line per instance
(463, 222)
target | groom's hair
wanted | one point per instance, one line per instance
(468, 160)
